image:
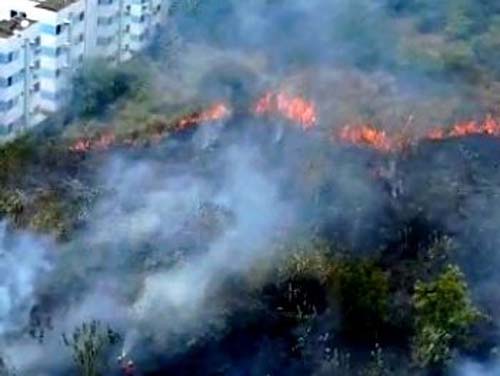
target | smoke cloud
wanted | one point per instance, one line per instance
(174, 223)
(25, 260)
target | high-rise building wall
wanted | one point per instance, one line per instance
(117, 29)
(103, 28)
(61, 28)
(64, 34)
(20, 50)
(144, 20)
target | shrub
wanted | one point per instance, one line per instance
(88, 343)
(361, 289)
(444, 316)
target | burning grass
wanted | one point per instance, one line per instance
(362, 289)
(156, 130)
(293, 108)
(297, 111)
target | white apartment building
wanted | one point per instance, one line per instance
(145, 17)
(61, 26)
(20, 50)
(66, 33)
(117, 29)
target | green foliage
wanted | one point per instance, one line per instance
(11, 203)
(99, 84)
(362, 290)
(14, 157)
(88, 344)
(297, 286)
(459, 57)
(50, 214)
(487, 46)
(444, 315)
(307, 260)
(421, 57)
(459, 23)
(354, 31)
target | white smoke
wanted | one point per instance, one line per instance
(148, 295)
(24, 259)
(471, 368)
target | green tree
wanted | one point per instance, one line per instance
(362, 290)
(88, 344)
(444, 316)
(99, 84)
(459, 23)
(487, 46)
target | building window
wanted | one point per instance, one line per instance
(14, 13)
(104, 41)
(81, 16)
(58, 72)
(140, 19)
(137, 38)
(8, 57)
(58, 29)
(105, 20)
(7, 105)
(36, 87)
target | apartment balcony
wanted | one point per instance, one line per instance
(10, 69)
(13, 115)
(11, 92)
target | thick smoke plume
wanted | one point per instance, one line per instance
(25, 260)
(148, 261)
(175, 224)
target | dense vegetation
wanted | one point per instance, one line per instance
(401, 303)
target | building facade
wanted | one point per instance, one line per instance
(20, 53)
(60, 36)
(118, 29)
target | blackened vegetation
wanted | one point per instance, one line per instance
(336, 299)
(357, 280)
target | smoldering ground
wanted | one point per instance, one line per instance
(165, 236)
(178, 223)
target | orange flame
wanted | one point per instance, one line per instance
(102, 142)
(436, 134)
(367, 135)
(293, 108)
(302, 112)
(489, 126)
(218, 111)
